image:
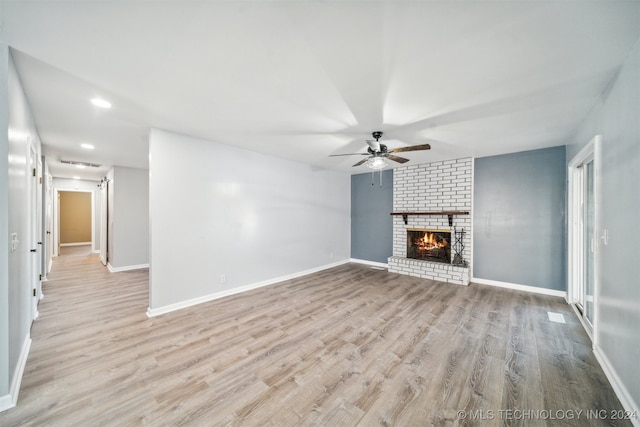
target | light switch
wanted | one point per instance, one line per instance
(14, 242)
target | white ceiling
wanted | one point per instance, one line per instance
(306, 79)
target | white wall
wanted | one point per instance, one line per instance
(615, 117)
(16, 286)
(5, 369)
(63, 184)
(219, 210)
(128, 218)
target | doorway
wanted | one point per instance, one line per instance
(74, 222)
(583, 177)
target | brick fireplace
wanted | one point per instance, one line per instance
(430, 188)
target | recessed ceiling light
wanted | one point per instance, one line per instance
(76, 177)
(80, 166)
(87, 146)
(99, 102)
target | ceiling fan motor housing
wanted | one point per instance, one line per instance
(383, 150)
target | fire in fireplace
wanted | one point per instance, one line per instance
(429, 245)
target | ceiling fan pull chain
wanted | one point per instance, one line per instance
(373, 173)
(380, 177)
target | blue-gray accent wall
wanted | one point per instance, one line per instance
(371, 222)
(519, 218)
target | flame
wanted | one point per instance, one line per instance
(429, 241)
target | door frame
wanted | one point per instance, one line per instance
(575, 240)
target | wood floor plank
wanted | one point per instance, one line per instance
(346, 346)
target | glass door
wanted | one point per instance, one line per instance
(583, 241)
(589, 247)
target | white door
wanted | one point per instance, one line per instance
(34, 227)
(48, 222)
(40, 225)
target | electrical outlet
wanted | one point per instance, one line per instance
(223, 278)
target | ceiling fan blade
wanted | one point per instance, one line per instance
(374, 144)
(349, 154)
(360, 162)
(396, 158)
(412, 148)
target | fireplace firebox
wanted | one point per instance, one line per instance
(429, 245)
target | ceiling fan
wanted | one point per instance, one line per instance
(379, 153)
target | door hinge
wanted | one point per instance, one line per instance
(34, 292)
(40, 277)
(34, 171)
(40, 180)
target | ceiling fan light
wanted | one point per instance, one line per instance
(376, 162)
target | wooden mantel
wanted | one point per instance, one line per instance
(449, 214)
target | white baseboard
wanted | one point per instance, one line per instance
(195, 301)
(526, 288)
(126, 267)
(10, 400)
(371, 263)
(95, 251)
(75, 244)
(618, 386)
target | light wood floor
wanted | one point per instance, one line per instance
(83, 250)
(347, 346)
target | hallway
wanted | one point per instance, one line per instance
(84, 311)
